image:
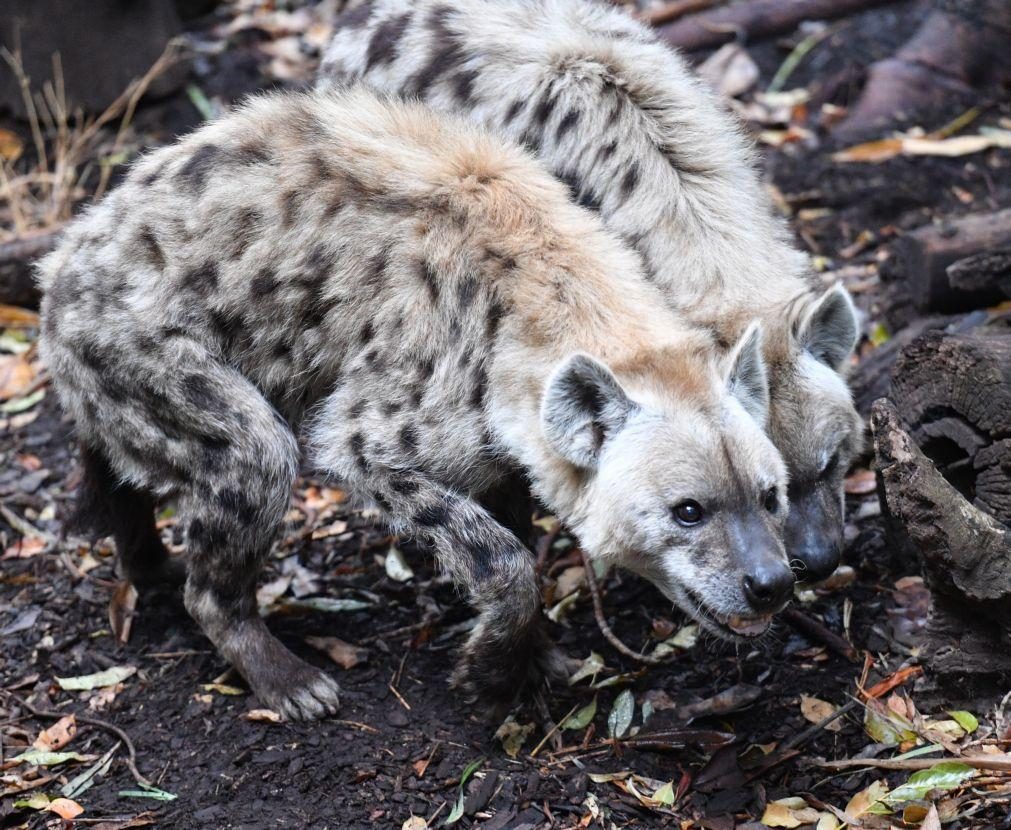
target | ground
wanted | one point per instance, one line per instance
(403, 740)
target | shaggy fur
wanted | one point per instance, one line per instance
(425, 307)
(619, 118)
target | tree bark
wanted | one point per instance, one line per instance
(966, 556)
(755, 19)
(924, 255)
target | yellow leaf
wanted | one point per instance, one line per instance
(779, 815)
(263, 716)
(222, 689)
(815, 710)
(864, 800)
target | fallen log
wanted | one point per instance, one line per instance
(17, 281)
(754, 20)
(954, 393)
(923, 257)
(966, 557)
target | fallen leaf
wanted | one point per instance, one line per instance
(65, 808)
(967, 720)
(12, 316)
(331, 605)
(345, 655)
(148, 792)
(457, 812)
(931, 821)
(99, 680)
(16, 405)
(816, 710)
(223, 689)
(25, 548)
(886, 726)
(334, 529)
(943, 776)
(122, 606)
(570, 580)
(868, 800)
(414, 823)
(861, 483)
(43, 758)
(582, 718)
(730, 70)
(620, 718)
(80, 783)
(262, 716)
(590, 667)
(58, 735)
(397, 568)
(513, 735)
(272, 591)
(16, 374)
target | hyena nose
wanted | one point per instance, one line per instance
(768, 587)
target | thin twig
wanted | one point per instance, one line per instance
(670, 12)
(131, 761)
(1002, 763)
(816, 631)
(605, 629)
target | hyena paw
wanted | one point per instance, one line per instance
(298, 691)
(496, 673)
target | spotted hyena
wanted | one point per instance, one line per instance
(427, 310)
(619, 117)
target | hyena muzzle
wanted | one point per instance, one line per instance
(420, 309)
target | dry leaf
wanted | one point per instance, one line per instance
(815, 710)
(730, 70)
(25, 548)
(421, 766)
(58, 735)
(13, 317)
(65, 808)
(414, 823)
(17, 373)
(263, 716)
(121, 609)
(223, 689)
(345, 655)
(861, 483)
(864, 800)
(932, 821)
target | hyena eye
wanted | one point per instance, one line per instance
(688, 513)
(830, 467)
(771, 499)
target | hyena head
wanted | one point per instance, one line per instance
(681, 487)
(817, 429)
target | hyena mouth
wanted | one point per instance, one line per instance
(730, 626)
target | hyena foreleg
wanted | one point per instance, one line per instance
(508, 651)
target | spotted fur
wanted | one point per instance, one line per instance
(416, 307)
(619, 118)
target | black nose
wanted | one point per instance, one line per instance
(768, 587)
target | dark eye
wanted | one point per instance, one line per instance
(771, 499)
(831, 466)
(688, 513)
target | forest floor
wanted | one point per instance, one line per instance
(717, 737)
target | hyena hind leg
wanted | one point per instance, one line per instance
(106, 505)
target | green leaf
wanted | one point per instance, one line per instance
(43, 758)
(457, 812)
(86, 682)
(86, 779)
(621, 714)
(21, 404)
(944, 776)
(886, 727)
(38, 801)
(328, 604)
(590, 667)
(148, 792)
(665, 794)
(879, 334)
(967, 720)
(582, 718)
(200, 102)
(513, 736)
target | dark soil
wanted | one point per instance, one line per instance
(404, 738)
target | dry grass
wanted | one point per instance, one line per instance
(74, 156)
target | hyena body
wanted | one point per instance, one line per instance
(619, 117)
(420, 301)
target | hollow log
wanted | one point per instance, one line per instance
(17, 281)
(923, 257)
(966, 557)
(755, 19)
(954, 393)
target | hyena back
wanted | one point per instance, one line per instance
(425, 307)
(619, 117)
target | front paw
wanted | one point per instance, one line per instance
(502, 670)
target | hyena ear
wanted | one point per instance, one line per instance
(582, 407)
(747, 378)
(830, 330)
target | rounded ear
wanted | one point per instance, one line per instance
(830, 329)
(747, 377)
(583, 406)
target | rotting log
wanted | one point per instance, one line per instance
(954, 393)
(755, 19)
(17, 280)
(972, 246)
(966, 556)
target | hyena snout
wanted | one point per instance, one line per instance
(814, 539)
(767, 586)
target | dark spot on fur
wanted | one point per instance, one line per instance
(375, 361)
(385, 38)
(404, 484)
(482, 558)
(367, 333)
(463, 85)
(544, 108)
(409, 438)
(569, 120)
(232, 501)
(382, 501)
(153, 176)
(426, 368)
(263, 284)
(253, 153)
(431, 280)
(496, 311)
(289, 207)
(242, 228)
(200, 392)
(513, 111)
(432, 515)
(318, 309)
(193, 174)
(354, 18)
(375, 270)
(201, 280)
(477, 392)
(357, 408)
(357, 444)
(392, 408)
(466, 291)
(447, 54)
(630, 181)
(150, 243)
(321, 169)
(226, 328)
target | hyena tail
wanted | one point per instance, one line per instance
(108, 506)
